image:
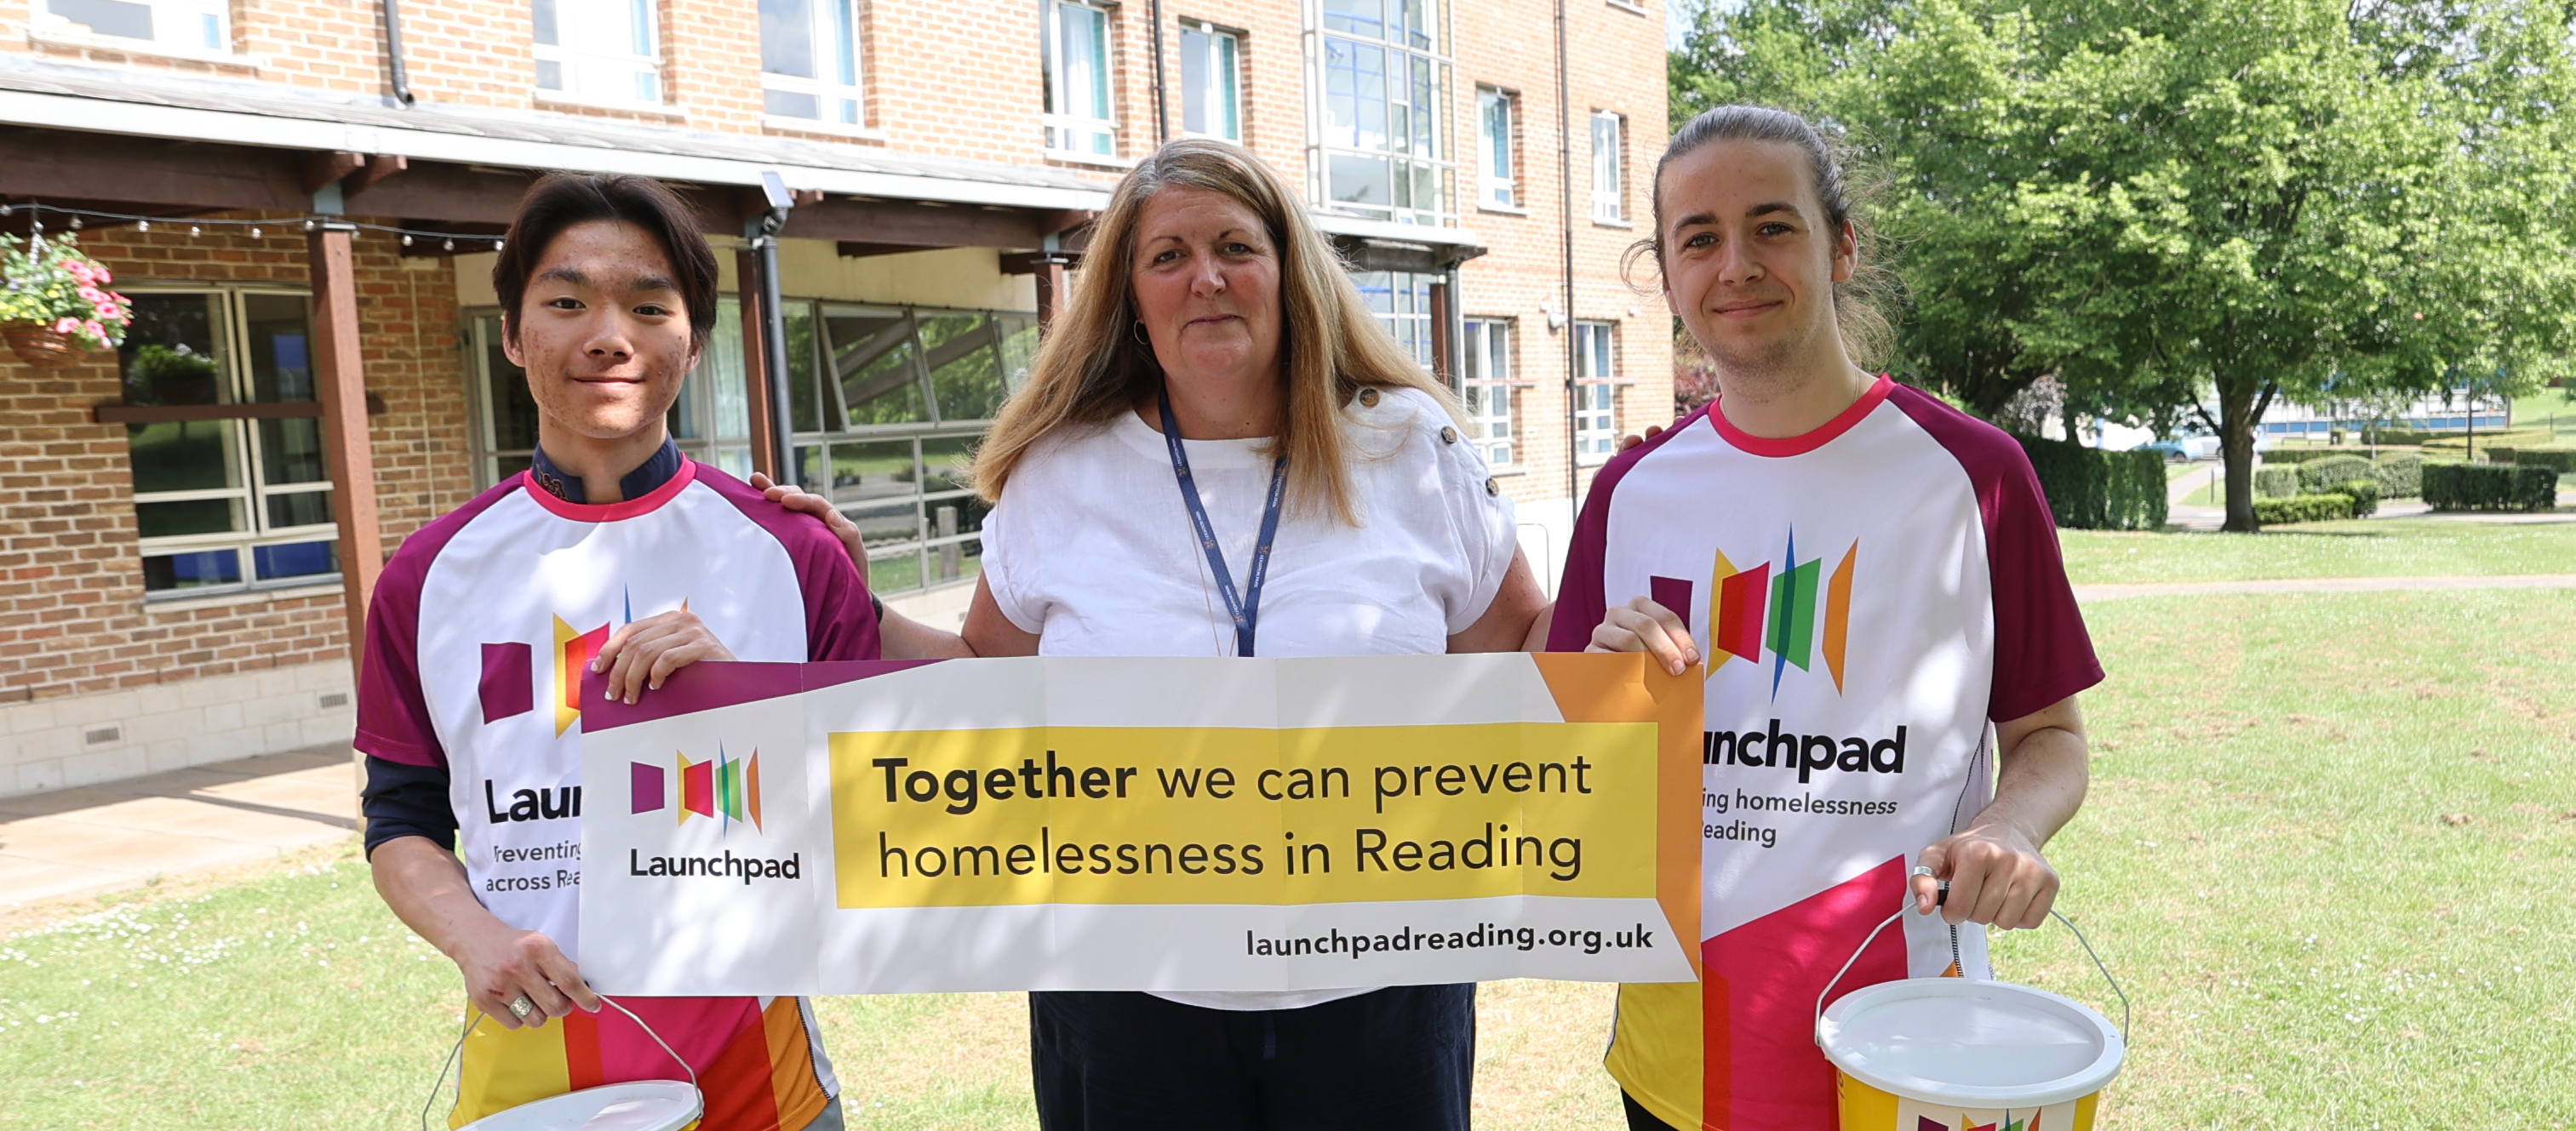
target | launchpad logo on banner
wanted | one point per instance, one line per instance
(1799, 612)
(722, 789)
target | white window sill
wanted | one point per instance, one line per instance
(1093, 159)
(819, 126)
(1503, 209)
(544, 97)
(1631, 9)
(181, 601)
(1622, 225)
(70, 36)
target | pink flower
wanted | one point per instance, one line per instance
(66, 325)
(95, 330)
(103, 277)
(92, 294)
(108, 311)
(78, 270)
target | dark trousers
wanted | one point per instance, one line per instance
(1640, 1119)
(1397, 1059)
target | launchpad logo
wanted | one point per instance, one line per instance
(1798, 612)
(722, 789)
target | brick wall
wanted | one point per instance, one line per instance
(73, 620)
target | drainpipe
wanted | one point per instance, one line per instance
(394, 52)
(1565, 209)
(774, 342)
(1162, 114)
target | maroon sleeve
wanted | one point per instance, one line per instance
(1580, 599)
(393, 717)
(2042, 652)
(840, 617)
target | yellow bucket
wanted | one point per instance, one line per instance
(1963, 1054)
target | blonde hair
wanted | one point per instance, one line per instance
(1091, 367)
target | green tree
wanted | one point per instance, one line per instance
(2196, 206)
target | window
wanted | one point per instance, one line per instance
(191, 26)
(1609, 153)
(613, 54)
(1494, 113)
(1211, 82)
(1078, 120)
(886, 403)
(226, 504)
(1380, 151)
(1486, 381)
(809, 60)
(1596, 396)
(1402, 303)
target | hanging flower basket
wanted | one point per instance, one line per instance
(43, 347)
(54, 303)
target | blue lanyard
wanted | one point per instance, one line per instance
(1246, 608)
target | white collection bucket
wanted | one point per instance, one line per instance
(1963, 1054)
(637, 1105)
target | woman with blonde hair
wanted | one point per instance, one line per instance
(1221, 450)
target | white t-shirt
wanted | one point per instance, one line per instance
(1090, 548)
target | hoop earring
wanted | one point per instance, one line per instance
(1137, 331)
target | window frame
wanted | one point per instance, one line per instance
(1066, 133)
(1486, 340)
(644, 18)
(840, 102)
(1596, 378)
(212, 44)
(1498, 190)
(1216, 87)
(1610, 203)
(1438, 168)
(248, 458)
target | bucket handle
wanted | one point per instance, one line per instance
(1945, 898)
(439, 1084)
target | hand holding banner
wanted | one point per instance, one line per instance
(1164, 824)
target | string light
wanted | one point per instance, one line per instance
(143, 225)
(449, 245)
(254, 233)
(195, 231)
(76, 221)
(79, 218)
(406, 239)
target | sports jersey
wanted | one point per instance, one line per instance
(477, 639)
(1868, 598)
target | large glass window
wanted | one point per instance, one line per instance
(1401, 301)
(185, 26)
(1485, 379)
(226, 504)
(1609, 179)
(1211, 82)
(598, 50)
(1382, 149)
(886, 402)
(1596, 391)
(1078, 118)
(809, 60)
(1495, 115)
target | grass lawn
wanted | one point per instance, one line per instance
(2395, 547)
(2325, 850)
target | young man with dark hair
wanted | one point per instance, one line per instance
(1893, 650)
(613, 553)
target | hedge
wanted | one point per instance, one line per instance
(2319, 476)
(2364, 494)
(2556, 459)
(2488, 486)
(2091, 489)
(2399, 476)
(2303, 455)
(2276, 482)
(2304, 508)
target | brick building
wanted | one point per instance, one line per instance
(301, 198)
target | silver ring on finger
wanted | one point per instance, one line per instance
(521, 1007)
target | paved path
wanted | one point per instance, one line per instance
(116, 835)
(2325, 585)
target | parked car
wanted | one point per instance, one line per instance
(2197, 445)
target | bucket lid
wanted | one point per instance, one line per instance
(1971, 1042)
(643, 1105)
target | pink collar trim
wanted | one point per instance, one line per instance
(1801, 445)
(611, 512)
